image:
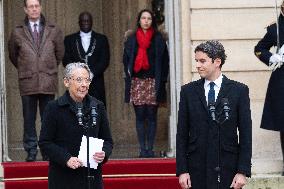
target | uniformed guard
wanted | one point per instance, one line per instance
(273, 112)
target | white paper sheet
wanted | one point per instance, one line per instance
(95, 145)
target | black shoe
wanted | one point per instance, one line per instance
(143, 154)
(31, 157)
(150, 154)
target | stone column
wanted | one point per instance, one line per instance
(177, 24)
(3, 117)
(172, 26)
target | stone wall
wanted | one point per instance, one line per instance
(237, 24)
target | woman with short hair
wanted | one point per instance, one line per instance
(61, 132)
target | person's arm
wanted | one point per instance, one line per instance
(103, 59)
(126, 60)
(67, 58)
(182, 136)
(262, 48)
(59, 46)
(13, 49)
(245, 132)
(47, 136)
(127, 75)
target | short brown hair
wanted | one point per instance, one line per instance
(25, 2)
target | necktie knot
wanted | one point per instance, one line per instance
(211, 85)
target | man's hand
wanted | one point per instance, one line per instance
(239, 181)
(184, 181)
(275, 61)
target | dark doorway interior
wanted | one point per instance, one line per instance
(113, 18)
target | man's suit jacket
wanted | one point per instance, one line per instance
(197, 135)
(98, 62)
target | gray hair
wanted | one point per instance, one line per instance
(214, 49)
(72, 66)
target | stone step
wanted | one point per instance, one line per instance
(17, 153)
(258, 181)
(265, 181)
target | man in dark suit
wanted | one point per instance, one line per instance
(92, 48)
(211, 153)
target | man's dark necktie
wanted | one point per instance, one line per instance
(211, 93)
(36, 35)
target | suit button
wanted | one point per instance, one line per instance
(217, 169)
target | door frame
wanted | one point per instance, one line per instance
(172, 23)
(3, 111)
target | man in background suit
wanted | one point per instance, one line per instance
(35, 49)
(92, 48)
(201, 153)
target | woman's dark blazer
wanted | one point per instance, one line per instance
(60, 139)
(158, 56)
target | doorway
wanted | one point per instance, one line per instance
(113, 18)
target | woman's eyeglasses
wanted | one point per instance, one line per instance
(80, 80)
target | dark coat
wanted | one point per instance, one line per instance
(35, 64)
(197, 135)
(60, 139)
(157, 55)
(273, 111)
(98, 62)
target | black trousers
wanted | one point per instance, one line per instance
(30, 103)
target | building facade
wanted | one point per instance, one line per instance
(237, 24)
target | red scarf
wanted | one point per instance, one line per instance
(144, 41)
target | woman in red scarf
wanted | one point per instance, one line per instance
(146, 66)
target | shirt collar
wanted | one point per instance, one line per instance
(32, 23)
(83, 34)
(218, 81)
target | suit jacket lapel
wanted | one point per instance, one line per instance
(81, 49)
(201, 93)
(28, 33)
(46, 32)
(225, 87)
(91, 42)
(132, 51)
